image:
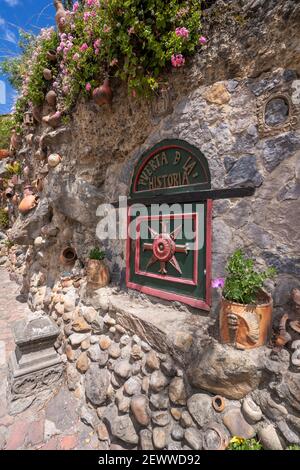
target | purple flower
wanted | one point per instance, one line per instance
(202, 40)
(84, 47)
(75, 6)
(218, 282)
(88, 87)
(86, 15)
(76, 56)
(182, 32)
(177, 60)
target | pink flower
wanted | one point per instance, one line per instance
(97, 43)
(55, 84)
(84, 47)
(202, 40)
(218, 282)
(114, 62)
(86, 15)
(182, 32)
(76, 56)
(106, 29)
(177, 60)
(75, 6)
(88, 87)
(97, 51)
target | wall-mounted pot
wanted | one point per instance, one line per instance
(51, 56)
(51, 98)
(54, 159)
(68, 256)
(47, 74)
(4, 153)
(97, 274)
(28, 203)
(103, 94)
(9, 192)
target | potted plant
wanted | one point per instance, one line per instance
(246, 309)
(97, 271)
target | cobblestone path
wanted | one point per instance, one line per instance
(46, 425)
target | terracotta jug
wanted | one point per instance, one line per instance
(97, 274)
(103, 94)
(68, 256)
(28, 203)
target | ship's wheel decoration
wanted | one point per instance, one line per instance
(164, 248)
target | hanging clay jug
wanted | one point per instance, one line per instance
(37, 113)
(97, 274)
(68, 256)
(28, 203)
(53, 120)
(61, 16)
(54, 159)
(28, 190)
(51, 56)
(51, 98)
(47, 74)
(4, 153)
(15, 200)
(9, 193)
(103, 94)
(40, 184)
(26, 171)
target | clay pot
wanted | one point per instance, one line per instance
(51, 98)
(53, 120)
(215, 437)
(15, 140)
(4, 153)
(40, 184)
(218, 403)
(68, 256)
(61, 16)
(97, 274)
(47, 74)
(15, 200)
(37, 113)
(246, 326)
(28, 203)
(54, 159)
(51, 56)
(103, 94)
(28, 190)
(9, 193)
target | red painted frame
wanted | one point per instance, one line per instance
(159, 150)
(191, 282)
(196, 303)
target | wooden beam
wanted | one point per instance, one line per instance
(195, 196)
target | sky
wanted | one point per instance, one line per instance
(30, 15)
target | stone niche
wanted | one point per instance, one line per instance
(34, 365)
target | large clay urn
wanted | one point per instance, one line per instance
(28, 203)
(246, 326)
(103, 94)
(97, 274)
(68, 256)
(4, 153)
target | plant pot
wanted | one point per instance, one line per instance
(97, 274)
(4, 153)
(246, 326)
(28, 203)
(68, 256)
(103, 94)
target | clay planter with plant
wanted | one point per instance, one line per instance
(97, 271)
(246, 308)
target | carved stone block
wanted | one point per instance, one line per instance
(34, 365)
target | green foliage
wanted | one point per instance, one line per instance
(6, 126)
(293, 447)
(4, 219)
(239, 443)
(136, 42)
(243, 282)
(97, 254)
(14, 168)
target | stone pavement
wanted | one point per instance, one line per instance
(48, 422)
